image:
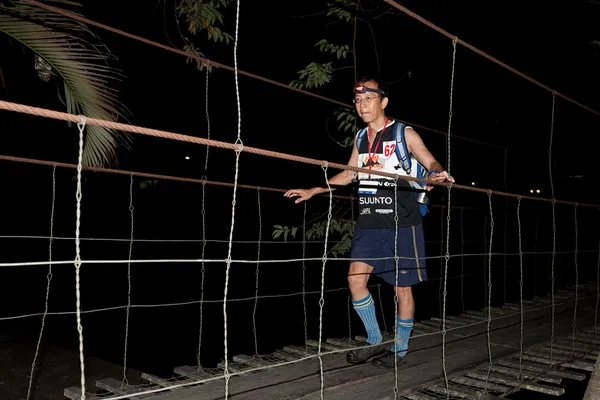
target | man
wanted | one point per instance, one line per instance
(375, 232)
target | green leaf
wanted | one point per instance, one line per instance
(276, 234)
(294, 230)
(82, 66)
(285, 234)
(314, 76)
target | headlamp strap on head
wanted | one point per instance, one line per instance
(360, 89)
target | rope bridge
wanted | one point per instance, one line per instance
(536, 357)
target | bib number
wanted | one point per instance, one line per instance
(389, 149)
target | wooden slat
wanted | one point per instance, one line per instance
(514, 372)
(324, 346)
(74, 393)
(285, 356)
(418, 396)
(474, 318)
(300, 351)
(343, 343)
(449, 323)
(116, 387)
(538, 370)
(463, 380)
(441, 389)
(426, 328)
(569, 353)
(535, 387)
(156, 380)
(250, 361)
(580, 365)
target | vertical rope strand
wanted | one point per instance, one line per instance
(489, 297)
(235, 186)
(537, 226)
(77, 261)
(125, 382)
(204, 241)
(322, 299)
(381, 307)
(202, 273)
(449, 213)
(522, 310)
(396, 258)
(576, 280)
(304, 277)
(462, 262)
(349, 316)
(49, 279)
(257, 274)
(553, 227)
(485, 252)
(505, 225)
(597, 298)
(441, 258)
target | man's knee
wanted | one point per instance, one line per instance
(404, 293)
(358, 276)
(357, 281)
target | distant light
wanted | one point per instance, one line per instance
(472, 183)
(537, 191)
(187, 158)
(531, 191)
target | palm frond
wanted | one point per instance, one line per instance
(67, 49)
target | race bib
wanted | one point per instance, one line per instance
(389, 148)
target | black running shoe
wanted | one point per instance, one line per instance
(387, 360)
(361, 355)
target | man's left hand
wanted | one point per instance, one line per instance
(440, 177)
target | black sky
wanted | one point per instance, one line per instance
(547, 40)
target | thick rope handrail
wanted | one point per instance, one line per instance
(487, 56)
(41, 112)
(202, 180)
(229, 68)
(306, 358)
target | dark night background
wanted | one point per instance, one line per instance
(546, 40)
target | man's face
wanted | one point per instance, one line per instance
(369, 105)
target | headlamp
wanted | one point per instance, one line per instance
(361, 89)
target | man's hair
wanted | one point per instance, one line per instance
(380, 84)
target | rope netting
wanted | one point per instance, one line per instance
(450, 286)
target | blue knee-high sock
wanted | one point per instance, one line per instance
(404, 328)
(365, 309)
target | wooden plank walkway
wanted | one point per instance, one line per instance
(421, 377)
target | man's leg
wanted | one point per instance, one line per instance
(358, 277)
(363, 303)
(404, 322)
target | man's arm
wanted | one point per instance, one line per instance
(419, 150)
(341, 179)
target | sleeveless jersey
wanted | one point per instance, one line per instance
(376, 193)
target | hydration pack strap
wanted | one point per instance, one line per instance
(401, 150)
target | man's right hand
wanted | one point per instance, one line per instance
(302, 194)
